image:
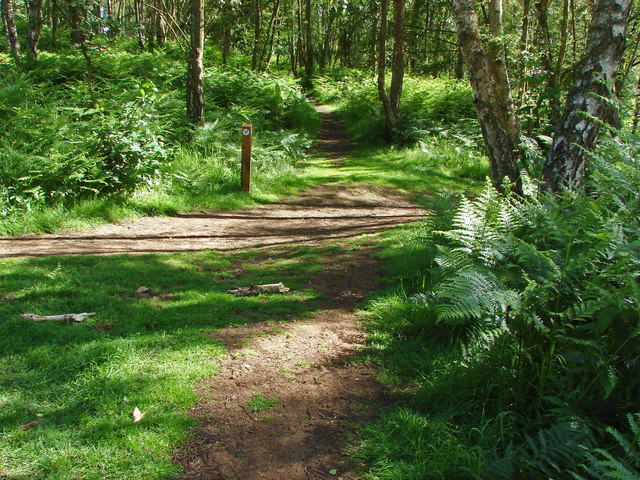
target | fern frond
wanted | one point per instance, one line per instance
(470, 293)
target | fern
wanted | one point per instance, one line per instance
(471, 293)
(552, 453)
(623, 463)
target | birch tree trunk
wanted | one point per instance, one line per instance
(491, 94)
(10, 27)
(589, 101)
(34, 12)
(137, 8)
(195, 70)
(391, 101)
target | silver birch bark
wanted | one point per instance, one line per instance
(589, 101)
(496, 118)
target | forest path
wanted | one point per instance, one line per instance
(330, 211)
(309, 366)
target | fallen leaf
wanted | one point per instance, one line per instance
(138, 415)
(333, 471)
(142, 290)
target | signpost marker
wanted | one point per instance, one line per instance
(247, 135)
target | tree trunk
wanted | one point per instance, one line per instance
(459, 73)
(7, 45)
(151, 30)
(267, 51)
(10, 27)
(256, 36)
(325, 55)
(589, 101)
(391, 101)
(397, 63)
(498, 63)
(308, 43)
(293, 56)
(382, 68)
(55, 20)
(226, 32)
(137, 8)
(524, 39)
(87, 58)
(504, 154)
(34, 12)
(374, 43)
(161, 29)
(195, 71)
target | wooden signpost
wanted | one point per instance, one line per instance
(245, 179)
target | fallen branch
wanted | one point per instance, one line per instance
(68, 317)
(258, 289)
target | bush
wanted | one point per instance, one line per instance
(55, 148)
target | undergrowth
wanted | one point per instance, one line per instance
(513, 339)
(430, 107)
(135, 152)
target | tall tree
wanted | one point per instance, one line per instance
(10, 27)
(491, 91)
(308, 72)
(589, 102)
(54, 20)
(195, 69)
(138, 12)
(256, 35)
(391, 101)
(34, 12)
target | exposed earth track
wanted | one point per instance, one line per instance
(309, 366)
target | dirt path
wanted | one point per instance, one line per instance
(309, 366)
(330, 211)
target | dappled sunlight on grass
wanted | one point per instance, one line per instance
(69, 389)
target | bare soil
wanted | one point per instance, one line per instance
(310, 366)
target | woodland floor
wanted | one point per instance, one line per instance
(309, 365)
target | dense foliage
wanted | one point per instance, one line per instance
(520, 342)
(430, 106)
(55, 149)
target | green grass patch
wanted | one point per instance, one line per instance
(68, 390)
(259, 402)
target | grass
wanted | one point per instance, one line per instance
(260, 402)
(85, 379)
(80, 382)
